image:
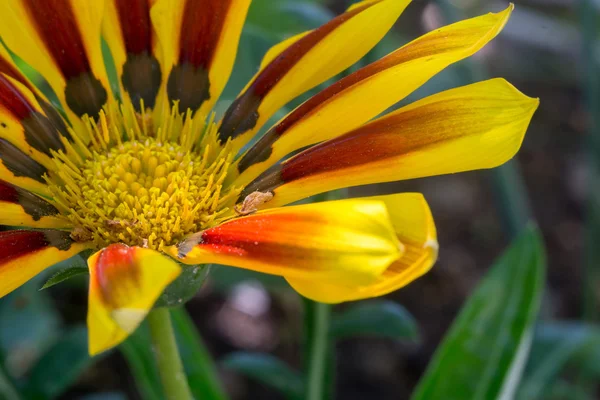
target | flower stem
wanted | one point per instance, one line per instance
(173, 377)
(317, 346)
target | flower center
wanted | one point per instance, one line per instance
(146, 191)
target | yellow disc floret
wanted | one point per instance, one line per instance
(151, 189)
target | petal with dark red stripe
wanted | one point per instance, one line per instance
(9, 69)
(347, 241)
(61, 39)
(24, 123)
(18, 207)
(305, 61)
(128, 31)
(472, 127)
(27, 137)
(366, 93)
(414, 226)
(125, 282)
(24, 254)
(199, 40)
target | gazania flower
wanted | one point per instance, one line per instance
(149, 181)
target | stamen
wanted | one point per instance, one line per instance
(144, 183)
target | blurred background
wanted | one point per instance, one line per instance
(549, 49)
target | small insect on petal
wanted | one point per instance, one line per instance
(252, 202)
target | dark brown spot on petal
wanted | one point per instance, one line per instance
(189, 85)
(141, 79)
(54, 117)
(85, 95)
(268, 181)
(33, 205)
(59, 239)
(201, 28)
(259, 152)
(245, 118)
(57, 27)
(240, 117)
(41, 133)
(19, 163)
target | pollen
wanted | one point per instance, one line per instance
(143, 181)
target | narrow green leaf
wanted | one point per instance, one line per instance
(7, 389)
(60, 366)
(65, 274)
(197, 361)
(555, 346)
(374, 318)
(483, 355)
(137, 350)
(268, 370)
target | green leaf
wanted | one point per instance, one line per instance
(197, 361)
(483, 355)
(374, 318)
(268, 370)
(60, 366)
(65, 274)
(556, 345)
(137, 350)
(7, 388)
(225, 278)
(187, 284)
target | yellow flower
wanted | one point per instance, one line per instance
(151, 177)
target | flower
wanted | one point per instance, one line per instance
(149, 178)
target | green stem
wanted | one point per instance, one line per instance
(591, 89)
(201, 370)
(317, 345)
(168, 360)
(7, 391)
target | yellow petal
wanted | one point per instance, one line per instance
(19, 207)
(25, 124)
(199, 40)
(26, 137)
(61, 39)
(366, 93)
(472, 127)
(305, 61)
(413, 224)
(24, 254)
(128, 31)
(347, 241)
(125, 282)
